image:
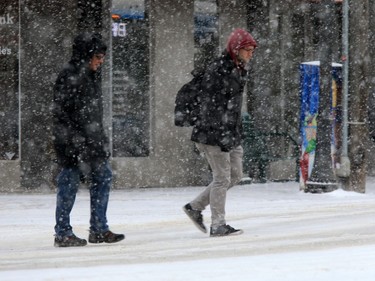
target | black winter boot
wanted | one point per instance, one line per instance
(224, 230)
(69, 241)
(196, 217)
(107, 237)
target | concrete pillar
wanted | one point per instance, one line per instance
(232, 14)
(47, 32)
(172, 160)
(105, 31)
(47, 28)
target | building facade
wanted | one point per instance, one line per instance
(154, 45)
(152, 49)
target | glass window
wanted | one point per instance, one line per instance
(130, 101)
(9, 80)
(206, 35)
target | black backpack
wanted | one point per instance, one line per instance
(187, 103)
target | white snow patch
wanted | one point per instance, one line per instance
(288, 235)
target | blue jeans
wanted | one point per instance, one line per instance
(67, 186)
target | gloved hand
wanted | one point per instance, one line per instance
(227, 143)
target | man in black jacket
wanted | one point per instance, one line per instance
(81, 145)
(218, 130)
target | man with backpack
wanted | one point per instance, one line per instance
(217, 130)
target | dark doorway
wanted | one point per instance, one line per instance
(130, 101)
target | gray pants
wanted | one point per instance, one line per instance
(227, 172)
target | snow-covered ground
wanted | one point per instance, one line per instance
(288, 235)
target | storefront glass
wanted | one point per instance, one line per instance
(206, 33)
(130, 70)
(9, 80)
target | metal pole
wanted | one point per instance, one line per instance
(345, 44)
(344, 169)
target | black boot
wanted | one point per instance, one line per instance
(107, 237)
(195, 216)
(224, 230)
(69, 241)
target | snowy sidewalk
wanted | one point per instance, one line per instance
(288, 235)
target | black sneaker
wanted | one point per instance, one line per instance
(107, 237)
(196, 217)
(69, 241)
(224, 230)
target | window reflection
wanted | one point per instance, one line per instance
(130, 101)
(206, 39)
(9, 86)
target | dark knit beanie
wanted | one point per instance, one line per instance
(86, 45)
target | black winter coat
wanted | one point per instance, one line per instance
(220, 122)
(79, 136)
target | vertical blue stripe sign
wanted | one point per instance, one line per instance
(309, 98)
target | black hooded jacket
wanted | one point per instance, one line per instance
(220, 122)
(79, 135)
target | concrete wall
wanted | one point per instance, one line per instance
(232, 14)
(10, 176)
(46, 46)
(172, 161)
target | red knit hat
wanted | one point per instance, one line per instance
(238, 39)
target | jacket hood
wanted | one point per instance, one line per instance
(238, 39)
(85, 45)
